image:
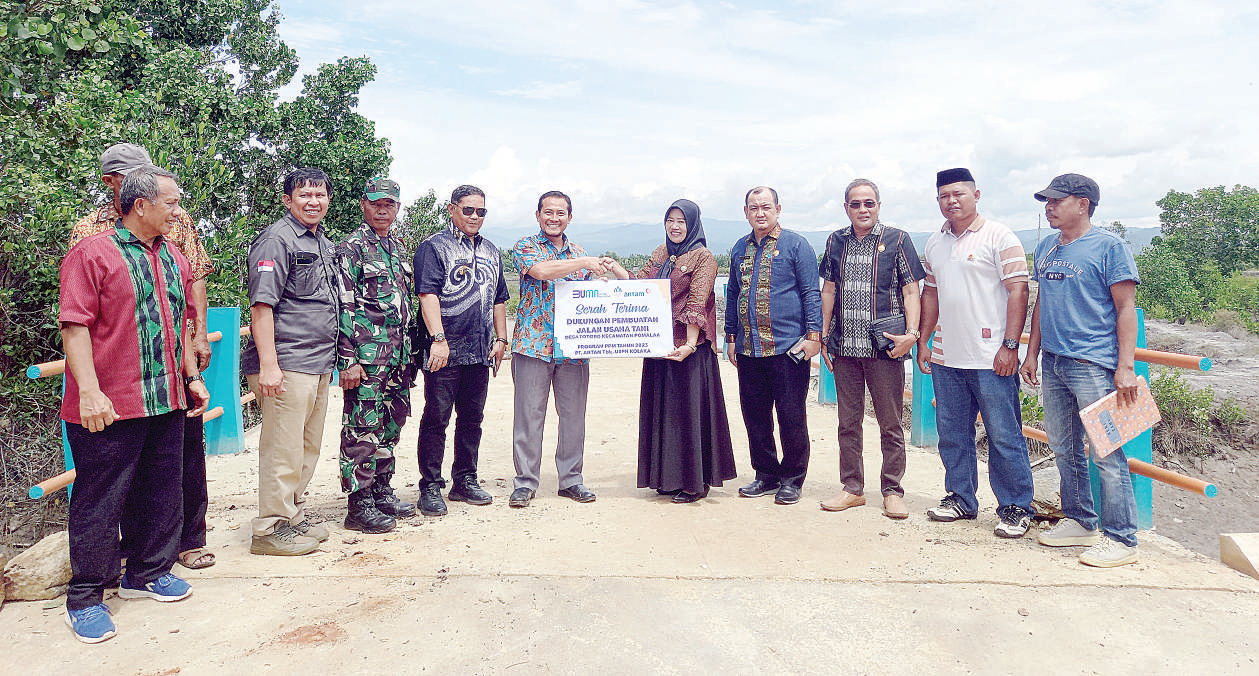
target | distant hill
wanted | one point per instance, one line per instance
(639, 238)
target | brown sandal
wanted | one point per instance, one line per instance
(196, 558)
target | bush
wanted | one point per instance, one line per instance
(1193, 422)
(1166, 290)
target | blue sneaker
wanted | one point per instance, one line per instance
(91, 624)
(166, 588)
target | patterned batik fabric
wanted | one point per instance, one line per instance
(854, 303)
(376, 313)
(182, 236)
(534, 335)
(466, 275)
(132, 298)
(371, 422)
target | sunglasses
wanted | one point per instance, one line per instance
(857, 204)
(468, 211)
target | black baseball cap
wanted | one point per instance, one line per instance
(1071, 184)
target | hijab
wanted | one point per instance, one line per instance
(694, 236)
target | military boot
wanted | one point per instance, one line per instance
(363, 515)
(386, 501)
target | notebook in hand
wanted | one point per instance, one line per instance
(1110, 425)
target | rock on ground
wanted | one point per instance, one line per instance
(41, 572)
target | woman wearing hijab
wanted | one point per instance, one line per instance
(683, 433)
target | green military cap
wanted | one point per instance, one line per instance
(379, 187)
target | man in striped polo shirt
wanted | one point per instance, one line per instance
(124, 301)
(976, 290)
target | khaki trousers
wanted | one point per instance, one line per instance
(292, 432)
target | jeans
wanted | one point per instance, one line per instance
(1068, 386)
(960, 394)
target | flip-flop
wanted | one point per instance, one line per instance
(196, 558)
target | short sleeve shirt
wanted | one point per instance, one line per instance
(183, 236)
(133, 299)
(867, 276)
(466, 274)
(969, 274)
(294, 270)
(1077, 313)
(534, 335)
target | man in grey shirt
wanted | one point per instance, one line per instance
(288, 360)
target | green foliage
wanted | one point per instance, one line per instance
(194, 81)
(425, 216)
(1213, 224)
(1166, 290)
(1193, 417)
(1033, 412)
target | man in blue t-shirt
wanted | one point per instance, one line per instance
(1085, 322)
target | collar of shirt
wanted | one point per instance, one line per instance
(772, 235)
(541, 238)
(298, 227)
(975, 226)
(472, 240)
(876, 231)
(128, 237)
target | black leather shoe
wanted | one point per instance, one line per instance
(386, 501)
(363, 515)
(672, 492)
(758, 488)
(578, 492)
(520, 497)
(431, 503)
(470, 491)
(683, 497)
(787, 495)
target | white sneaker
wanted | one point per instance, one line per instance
(1108, 553)
(1067, 533)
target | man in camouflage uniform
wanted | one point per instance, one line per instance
(374, 357)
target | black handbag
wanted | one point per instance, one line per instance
(894, 325)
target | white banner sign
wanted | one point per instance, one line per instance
(613, 318)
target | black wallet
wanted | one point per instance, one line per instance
(894, 325)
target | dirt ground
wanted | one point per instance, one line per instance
(632, 584)
(1191, 519)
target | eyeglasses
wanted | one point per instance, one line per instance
(468, 211)
(857, 204)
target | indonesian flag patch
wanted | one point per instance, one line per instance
(266, 266)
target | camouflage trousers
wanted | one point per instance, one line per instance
(371, 423)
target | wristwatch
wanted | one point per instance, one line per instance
(439, 337)
(915, 333)
(188, 380)
(1010, 344)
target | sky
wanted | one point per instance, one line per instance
(627, 105)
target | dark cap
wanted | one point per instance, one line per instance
(1071, 184)
(124, 158)
(951, 176)
(379, 187)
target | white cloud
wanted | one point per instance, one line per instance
(628, 105)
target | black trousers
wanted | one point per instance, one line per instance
(131, 472)
(768, 385)
(461, 389)
(196, 496)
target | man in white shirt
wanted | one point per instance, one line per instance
(976, 291)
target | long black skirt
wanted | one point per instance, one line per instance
(683, 432)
